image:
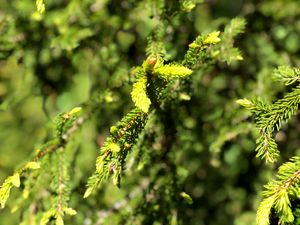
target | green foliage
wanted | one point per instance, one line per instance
(225, 51)
(143, 94)
(172, 71)
(114, 150)
(287, 75)
(228, 52)
(152, 67)
(65, 125)
(269, 118)
(139, 93)
(40, 6)
(278, 192)
(11, 181)
(123, 137)
(197, 48)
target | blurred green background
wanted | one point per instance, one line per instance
(53, 62)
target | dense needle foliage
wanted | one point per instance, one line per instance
(149, 112)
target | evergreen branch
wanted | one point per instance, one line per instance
(235, 27)
(40, 6)
(128, 124)
(287, 75)
(277, 193)
(172, 71)
(61, 189)
(264, 210)
(157, 7)
(124, 135)
(151, 68)
(196, 51)
(139, 93)
(35, 181)
(67, 125)
(12, 181)
(228, 53)
(269, 119)
(156, 73)
(62, 176)
(257, 107)
(200, 50)
(266, 147)
(46, 149)
(285, 108)
(114, 150)
(156, 47)
(188, 5)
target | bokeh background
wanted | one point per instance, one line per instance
(53, 62)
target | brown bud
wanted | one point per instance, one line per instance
(112, 168)
(151, 61)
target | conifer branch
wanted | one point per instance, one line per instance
(215, 45)
(149, 95)
(196, 52)
(123, 136)
(61, 176)
(172, 71)
(269, 118)
(277, 194)
(68, 123)
(139, 93)
(113, 152)
(228, 52)
(40, 6)
(287, 75)
(61, 189)
(155, 47)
